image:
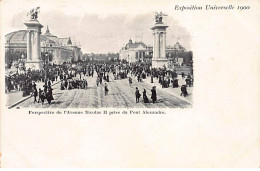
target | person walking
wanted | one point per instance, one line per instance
(145, 97)
(107, 78)
(35, 94)
(100, 79)
(49, 96)
(130, 81)
(42, 96)
(45, 89)
(97, 81)
(175, 83)
(138, 78)
(62, 85)
(66, 84)
(106, 89)
(49, 83)
(184, 90)
(137, 95)
(154, 95)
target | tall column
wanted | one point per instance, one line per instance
(157, 50)
(163, 52)
(159, 45)
(34, 45)
(29, 47)
(38, 45)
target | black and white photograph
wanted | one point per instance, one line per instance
(55, 61)
(130, 83)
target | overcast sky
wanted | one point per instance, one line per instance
(100, 27)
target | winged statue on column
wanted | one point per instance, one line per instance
(34, 13)
(159, 17)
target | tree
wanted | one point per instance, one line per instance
(11, 56)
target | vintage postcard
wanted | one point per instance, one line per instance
(117, 83)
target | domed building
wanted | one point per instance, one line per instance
(178, 47)
(59, 50)
(135, 52)
(139, 52)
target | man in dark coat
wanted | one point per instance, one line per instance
(62, 85)
(100, 79)
(137, 95)
(138, 78)
(49, 83)
(184, 90)
(154, 95)
(107, 78)
(41, 96)
(175, 83)
(35, 94)
(106, 89)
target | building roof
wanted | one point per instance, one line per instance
(137, 44)
(48, 33)
(20, 36)
(178, 46)
(130, 44)
(64, 41)
(69, 41)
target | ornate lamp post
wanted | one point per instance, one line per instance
(46, 67)
(46, 63)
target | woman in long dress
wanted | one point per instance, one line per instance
(49, 96)
(145, 97)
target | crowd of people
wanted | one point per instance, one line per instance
(165, 77)
(145, 98)
(24, 81)
(46, 93)
(75, 78)
(73, 84)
